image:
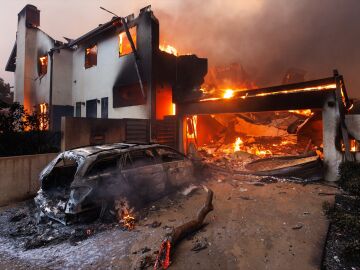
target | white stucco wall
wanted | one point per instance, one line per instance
(62, 77)
(20, 61)
(98, 81)
(30, 89)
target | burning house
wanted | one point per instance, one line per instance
(114, 71)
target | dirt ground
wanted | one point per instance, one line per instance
(254, 226)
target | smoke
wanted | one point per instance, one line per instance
(269, 37)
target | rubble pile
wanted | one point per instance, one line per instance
(239, 139)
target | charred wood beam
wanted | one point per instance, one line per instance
(290, 101)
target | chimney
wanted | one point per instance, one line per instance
(32, 16)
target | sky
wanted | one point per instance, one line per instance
(267, 37)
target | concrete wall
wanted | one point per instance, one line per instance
(77, 131)
(19, 178)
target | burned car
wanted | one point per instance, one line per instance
(89, 178)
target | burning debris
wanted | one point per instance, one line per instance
(125, 215)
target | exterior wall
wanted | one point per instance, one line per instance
(20, 61)
(98, 81)
(20, 176)
(62, 77)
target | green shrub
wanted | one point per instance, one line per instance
(350, 177)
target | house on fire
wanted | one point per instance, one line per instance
(98, 75)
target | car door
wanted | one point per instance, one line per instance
(144, 174)
(178, 168)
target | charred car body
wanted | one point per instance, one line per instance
(86, 179)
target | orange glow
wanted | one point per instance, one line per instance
(191, 127)
(168, 48)
(164, 105)
(229, 93)
(173, 109)
(124, 43)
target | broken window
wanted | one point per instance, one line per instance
(91, 56)
(139, 159)
(124, 43)
(128, 95)
(169, 155)
(61, 175)
(42, 65)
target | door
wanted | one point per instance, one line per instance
(145, 174)
(91, 108)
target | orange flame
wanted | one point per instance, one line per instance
(125, 215)
(237, 144)
(302, 112)
(169, 49)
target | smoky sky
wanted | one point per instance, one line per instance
(267, 37)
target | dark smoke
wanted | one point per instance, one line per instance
(267, 37)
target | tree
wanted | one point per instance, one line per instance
(6, 96)
(16, 119)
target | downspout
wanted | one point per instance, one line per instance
(51, 54)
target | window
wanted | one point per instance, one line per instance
(128, 95)
(104, 107)
(103, 166)
(169, 155)
(91, 56)
(42, 65)
(78, 109)
(124, 43)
